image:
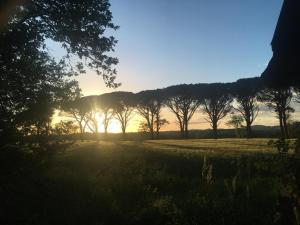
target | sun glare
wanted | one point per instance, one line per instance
(114, 127)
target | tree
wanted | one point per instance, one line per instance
(123, 105)
(77, 109)
(159, 123)
(294, 129)
(279, 99)
(182, 101)
(78, 25)
(36, 118)
(245, 92)
(106, 106)
(216, 104)
(297, 92)
(149, 105)
(236, 121)
(65, 128)
(108, 114)
(92, 113)
(27, 69)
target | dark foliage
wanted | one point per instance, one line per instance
(31, 78)
(245, 91)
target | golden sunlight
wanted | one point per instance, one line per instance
(114, 127)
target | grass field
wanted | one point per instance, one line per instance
(160, 182)
(217, 146)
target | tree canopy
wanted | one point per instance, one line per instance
(28, 72)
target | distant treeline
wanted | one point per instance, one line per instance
(215, 100)
(241, 99)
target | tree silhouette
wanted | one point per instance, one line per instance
(65, 128)
(236, 122)
(245, 92)
(107, 108)
(92, 113)
(37, 118)
(78, 25)
(149, 105)
(279, 99)
(123, 105)
(216, 104)
(26, 67)
(181, 100)
(297, 92)
(77, 110)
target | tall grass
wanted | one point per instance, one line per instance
(143, 183)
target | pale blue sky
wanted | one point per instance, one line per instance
(168, 42)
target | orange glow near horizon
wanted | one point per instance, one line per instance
(197, 122)
(115, 126)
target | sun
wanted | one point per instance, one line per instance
(114, 126)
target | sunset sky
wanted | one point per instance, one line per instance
(168, 42)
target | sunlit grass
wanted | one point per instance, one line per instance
(131, 181)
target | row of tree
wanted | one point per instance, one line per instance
(215, 100)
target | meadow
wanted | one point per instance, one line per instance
(199, 181)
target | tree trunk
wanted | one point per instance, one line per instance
(285, 126)
(157, 125)
(152, 133)
(82, 128)
(186, 131)
(48, 127)
(123, 131)
(181, 129)
(215, 130)
(96, 127)
(281, 125)
(248, 129)
(81, 131)
(105, 123)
